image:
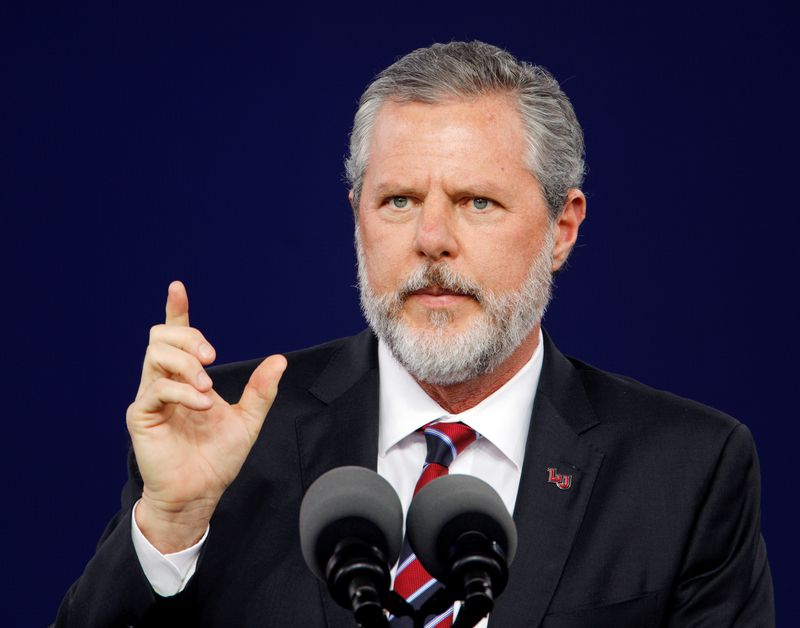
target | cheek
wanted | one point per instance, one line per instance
(385, 256)
(502, 263)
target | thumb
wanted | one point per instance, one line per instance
(260, 391)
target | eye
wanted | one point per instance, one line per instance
(480, 203)
(399, 202)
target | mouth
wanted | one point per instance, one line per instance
(437, 297)
(438, 291)
(439, 286)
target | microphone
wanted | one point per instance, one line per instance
(351, 531)
(463, 535)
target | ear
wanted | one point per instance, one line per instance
(351, 198)
(566, 226)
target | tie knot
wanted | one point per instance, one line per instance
(446, 440)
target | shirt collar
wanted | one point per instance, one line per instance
(503, 417)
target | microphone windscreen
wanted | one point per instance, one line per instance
(349, 502)
(449, 506)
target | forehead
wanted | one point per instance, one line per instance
(481, 134)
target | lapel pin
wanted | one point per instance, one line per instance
(561, 480)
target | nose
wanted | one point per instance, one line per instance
(435, 236)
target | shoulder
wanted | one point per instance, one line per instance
(665, 458)
(616, 396)
(639, 421)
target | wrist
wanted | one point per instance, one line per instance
(172, 528)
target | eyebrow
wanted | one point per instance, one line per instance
(478, 189)
(392, 188)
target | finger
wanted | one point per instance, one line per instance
(260, 391)
(177, 304)
(163, 359)
(165, 391)
(186, 339)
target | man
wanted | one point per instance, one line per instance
(634, 507)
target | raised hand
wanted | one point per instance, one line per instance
(189, 442)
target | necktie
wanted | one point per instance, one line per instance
(445, 441)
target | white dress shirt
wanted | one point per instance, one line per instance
(502, 419)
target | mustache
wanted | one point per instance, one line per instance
(439, 275)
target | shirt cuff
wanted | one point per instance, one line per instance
(167, 573)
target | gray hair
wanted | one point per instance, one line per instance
(470, 69)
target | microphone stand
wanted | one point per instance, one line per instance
(473, 609)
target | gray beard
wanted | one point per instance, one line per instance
(439, 354)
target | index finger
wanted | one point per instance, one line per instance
(177, 305)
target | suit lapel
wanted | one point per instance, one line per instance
(345, 432)
(548, 517)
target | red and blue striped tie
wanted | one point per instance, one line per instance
(445, 441)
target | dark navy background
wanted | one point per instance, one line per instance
(139, 145)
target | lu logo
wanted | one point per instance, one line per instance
(561, 480)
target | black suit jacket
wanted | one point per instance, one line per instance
(659, 527)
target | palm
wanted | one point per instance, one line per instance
(186, 454)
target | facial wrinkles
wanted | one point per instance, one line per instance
(434, 137)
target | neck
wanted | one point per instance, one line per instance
(457, 398)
